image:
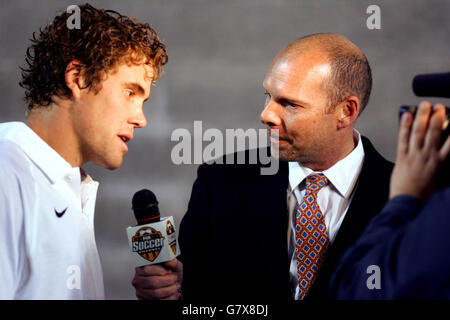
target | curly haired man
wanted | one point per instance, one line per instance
(85, 90)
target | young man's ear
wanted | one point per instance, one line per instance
(348, 111)
(73, 78)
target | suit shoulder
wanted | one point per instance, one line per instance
(247, 161)
(374, 157)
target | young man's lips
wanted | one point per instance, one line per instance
(124, 140)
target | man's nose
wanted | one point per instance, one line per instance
(270, 115)
(138, 119)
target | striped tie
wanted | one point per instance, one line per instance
(311, 234)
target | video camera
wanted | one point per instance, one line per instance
(434, 85)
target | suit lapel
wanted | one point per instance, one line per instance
(370, 195)
(271, 221)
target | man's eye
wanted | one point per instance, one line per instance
(289, 104)
(129, 93)
(268, 97)
(292, 106)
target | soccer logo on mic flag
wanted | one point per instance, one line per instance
(153, 243)
(147, 242)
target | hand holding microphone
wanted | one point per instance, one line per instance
(158, 274)
(159, 281)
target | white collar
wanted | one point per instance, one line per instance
(342, 175)
(45, 157)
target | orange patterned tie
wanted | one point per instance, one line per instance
(311, 234)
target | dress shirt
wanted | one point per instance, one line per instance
(333, 199)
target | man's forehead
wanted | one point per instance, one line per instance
(149, 73)
(136, 76)
(142, 71)
(296, 70)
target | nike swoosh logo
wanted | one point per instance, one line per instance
(60, 214)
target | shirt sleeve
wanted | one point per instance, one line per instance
(12, 238)
(408, 242)
(377, 246)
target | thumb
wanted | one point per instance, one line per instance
(174, 265)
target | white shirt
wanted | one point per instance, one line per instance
(43, 256)
(333, 199)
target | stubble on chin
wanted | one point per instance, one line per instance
(288, 155)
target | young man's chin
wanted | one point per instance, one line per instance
(111, 165)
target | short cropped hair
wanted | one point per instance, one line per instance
(350, 75)
(350, 70)
(105, 39)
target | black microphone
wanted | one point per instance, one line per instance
(432, 85)
(145, 207)
(154, 239)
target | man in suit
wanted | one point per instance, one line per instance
(278, 237)
(406, 245)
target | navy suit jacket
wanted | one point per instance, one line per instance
(233, 237)
(410, 244)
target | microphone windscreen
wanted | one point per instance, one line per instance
(432, 85)
(143, 198)
(145, 207)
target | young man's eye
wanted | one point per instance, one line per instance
(129, 93)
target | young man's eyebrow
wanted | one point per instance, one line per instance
(135, 86)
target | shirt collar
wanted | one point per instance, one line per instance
(342, 175)
(45, 157)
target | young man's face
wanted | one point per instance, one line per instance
(105, 121)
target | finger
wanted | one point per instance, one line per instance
(166, 292)
(445, 150)
(420, 126)
(157, 294)
(155, 282)
(175, 296)
(152, 270)
(174, 265)
(433, 134)
(171, 264)
(403, 134)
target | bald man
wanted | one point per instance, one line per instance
(265, 238)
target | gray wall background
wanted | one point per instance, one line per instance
(219, 52)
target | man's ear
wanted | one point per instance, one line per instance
(73, 77)
(348, 111)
